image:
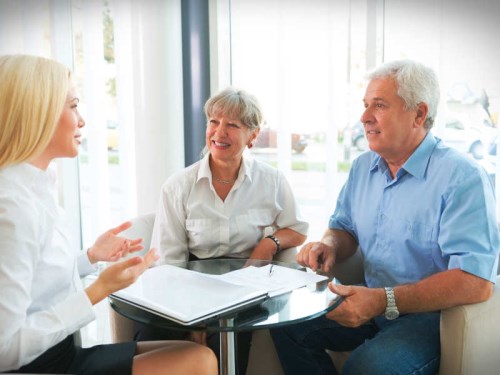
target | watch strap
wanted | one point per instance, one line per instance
(391, 311)
(391, 300)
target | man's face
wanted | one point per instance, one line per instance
(391, 131)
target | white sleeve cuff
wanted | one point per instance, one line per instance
(84, 266)
(76, 311)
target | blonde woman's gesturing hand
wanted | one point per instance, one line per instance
(110, 247)
(120, 275)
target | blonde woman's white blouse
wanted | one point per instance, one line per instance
(43, 300)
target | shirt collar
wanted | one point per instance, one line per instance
(245, 169)
(416, 163)
(25, 174)
(204, 170)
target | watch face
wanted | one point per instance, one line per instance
(391, 314)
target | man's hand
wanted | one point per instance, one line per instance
(359, 306)
(316, 255)
(109, 247)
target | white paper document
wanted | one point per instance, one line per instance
(274, 279)
(188, 297)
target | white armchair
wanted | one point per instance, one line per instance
(470, 335)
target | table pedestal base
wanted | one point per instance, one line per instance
(227, 364)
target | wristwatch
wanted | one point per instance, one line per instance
(391, 311)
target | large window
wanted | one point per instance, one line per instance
(306, 61)
(44, 28)
(294, 57)
(127, 67)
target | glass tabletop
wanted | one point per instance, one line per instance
(301, 304)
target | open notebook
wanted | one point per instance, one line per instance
(188, 297)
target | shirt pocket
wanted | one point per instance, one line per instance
(251, 225)
(200, 231)
(419, 237)
(256, 218)
(419, 231)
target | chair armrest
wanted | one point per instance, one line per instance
(351, 270)
(142, 227)
(263, 358)
(470, 337)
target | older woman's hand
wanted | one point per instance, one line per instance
(264, 250)
(109, 247)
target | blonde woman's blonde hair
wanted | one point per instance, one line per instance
(33, 91)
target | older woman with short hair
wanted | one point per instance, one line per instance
(227, 204)
(224, 204)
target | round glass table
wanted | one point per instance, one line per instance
(300, 304)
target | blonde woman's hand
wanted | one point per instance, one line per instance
(120, 275)
(110, 247)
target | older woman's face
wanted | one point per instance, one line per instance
(227, 138)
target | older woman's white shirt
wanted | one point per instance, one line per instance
(192, 216)
(43, 300)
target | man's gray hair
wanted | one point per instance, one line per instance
(416, 84)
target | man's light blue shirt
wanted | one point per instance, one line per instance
(438, 213)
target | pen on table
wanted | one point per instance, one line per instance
(271, 270)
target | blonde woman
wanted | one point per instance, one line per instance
(43, 302)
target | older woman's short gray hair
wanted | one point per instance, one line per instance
(416, 84)
(236, 104)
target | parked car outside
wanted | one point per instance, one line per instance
(268, 138)
(358, 138)
(492, 149)
(468, 137)
(468, 126)
(113, 139)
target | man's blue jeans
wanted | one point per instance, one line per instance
(407, 345)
